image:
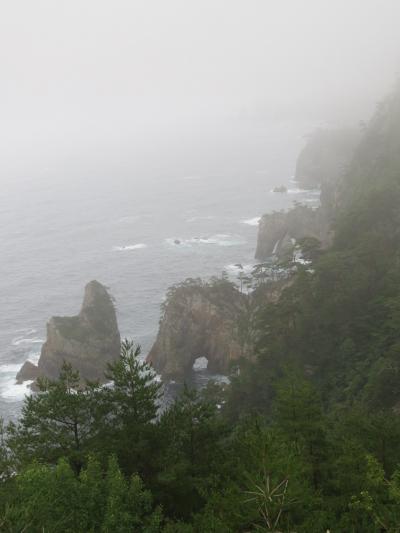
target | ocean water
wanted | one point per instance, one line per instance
(137, 228)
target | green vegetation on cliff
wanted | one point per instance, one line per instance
(305, 439)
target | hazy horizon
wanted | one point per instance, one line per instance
(135, 78)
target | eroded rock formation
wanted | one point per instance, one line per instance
(276, 230)
(199, 320)
(321, 164)
(28, 372)
(88, 341)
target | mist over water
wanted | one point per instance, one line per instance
(140, 141)
(137, 232)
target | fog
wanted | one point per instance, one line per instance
(79, 75)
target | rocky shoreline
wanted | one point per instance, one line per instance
(203, 319)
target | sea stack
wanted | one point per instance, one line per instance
(88, 341)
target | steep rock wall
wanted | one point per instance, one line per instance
(199, 320)
(321, 164)
(88, 341)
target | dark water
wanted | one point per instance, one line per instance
(71, 220)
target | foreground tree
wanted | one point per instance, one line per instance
(132, 401)
(57, 500)
(191, 453)
(134, 395)
(70, 418)
(63, 419)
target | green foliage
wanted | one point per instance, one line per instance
(135, 392)
(190, 453)
(131, 402)
(128, 505)
(56, 499)
(307, 436)
(63, 419)
(310, 248)
(67, 418)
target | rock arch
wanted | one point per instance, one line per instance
(198, 320)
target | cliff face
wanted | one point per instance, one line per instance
(277, 229)
(88, 341)
(325, 157)
(199, 320)
(321, 164)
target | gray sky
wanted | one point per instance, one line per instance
(83, 71)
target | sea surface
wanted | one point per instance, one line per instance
(136, 225)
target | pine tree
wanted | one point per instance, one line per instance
(63, 419)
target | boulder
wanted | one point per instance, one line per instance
(28, 372)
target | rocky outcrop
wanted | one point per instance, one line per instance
(278, 230)
(321, 164)
(28, 372)
(325, 157)
(199, 320)
(87, 341)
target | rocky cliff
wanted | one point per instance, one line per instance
(199, 320)
(276, 230)
(321, 164)
(88, 340)
(325, 157)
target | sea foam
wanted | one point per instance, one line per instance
(27, 340)
(130, 247)
(251, 221)
(10, 390)
(297, 190)
(235, 269)
(219, 239)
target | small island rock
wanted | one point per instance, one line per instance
(88, 341)
(27, 372)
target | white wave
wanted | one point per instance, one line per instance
(10, 368)
(251, 221)
(297, 190)
(130, 247)
(219, 239)
(195, 219)
(200, 363)
(234, 269)
(35, 340)
(34, 358)
(9, 390)
(26, 331)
